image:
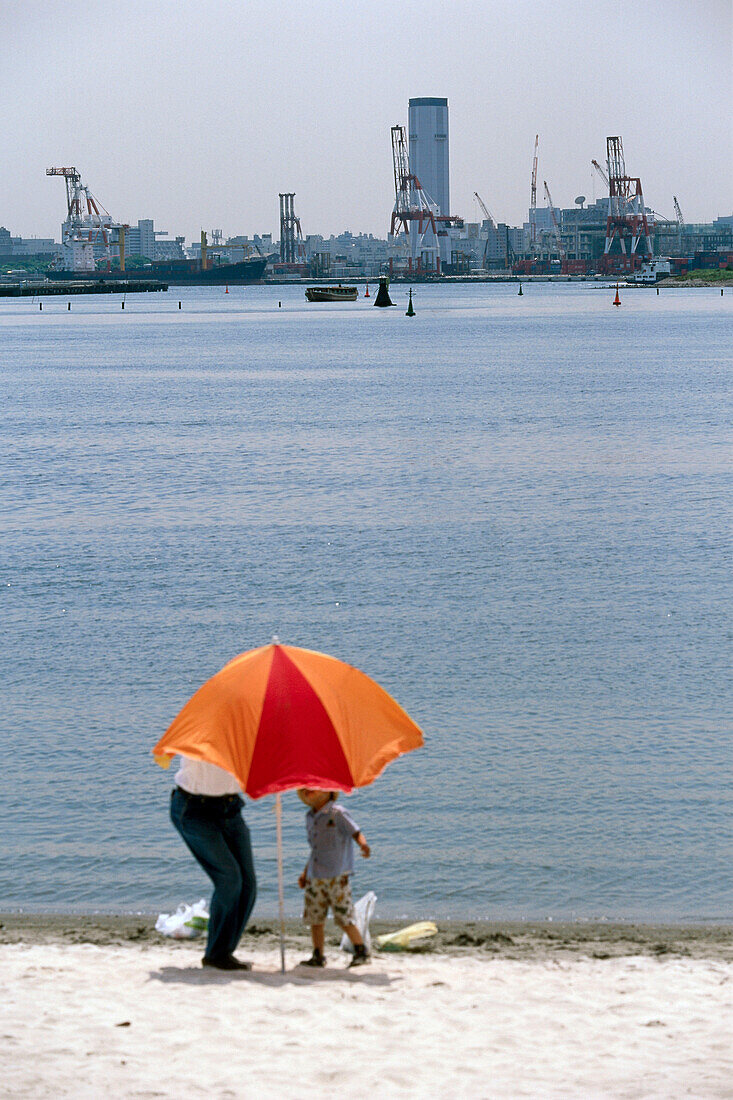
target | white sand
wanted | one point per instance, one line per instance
(406, 1026)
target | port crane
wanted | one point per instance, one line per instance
(87, 222)
(627, 218)
(413, 211)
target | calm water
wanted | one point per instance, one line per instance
(513, 512)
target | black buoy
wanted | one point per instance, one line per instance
(521, 292)
(123, 305)
(721, 292)
(179, 305)
(68, 305)
(410, 310)
(657, 290)
(279, 305)
(40, 306)
(383, 298)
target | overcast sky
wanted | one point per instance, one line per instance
(198, 112)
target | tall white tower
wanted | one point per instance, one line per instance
(429, 161)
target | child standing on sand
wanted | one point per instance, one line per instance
(331, 834)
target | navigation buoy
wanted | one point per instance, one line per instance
(68, 305)
(617, 300)
(410, 310)
(122, 304)
(179, 305)
(521, 292)
(40, 306)
(657, 290)
(279, 305)
(227, 290)
(366, 292)
(383, 298)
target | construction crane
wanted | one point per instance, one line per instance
(678, 212)
(488, 216)
(533, 196)
(558, 237)
(87, 222)
(600, 172)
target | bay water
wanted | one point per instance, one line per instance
(513, 512)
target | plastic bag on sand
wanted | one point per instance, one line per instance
(363, 911)
(186, 923)
(402, 939)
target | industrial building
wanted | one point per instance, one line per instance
(16, 247)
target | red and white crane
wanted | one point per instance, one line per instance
(627, 220)
(413, 211)
(87, 222)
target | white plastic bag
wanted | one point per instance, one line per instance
(363, 911)
(188, 921)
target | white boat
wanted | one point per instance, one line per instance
(651, 271)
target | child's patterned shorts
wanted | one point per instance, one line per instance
(320, 893)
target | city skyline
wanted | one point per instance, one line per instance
(199, 114)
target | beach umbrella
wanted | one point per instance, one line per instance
(280, 717)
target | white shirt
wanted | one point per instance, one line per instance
(197, 777)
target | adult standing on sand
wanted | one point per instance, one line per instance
(206, 809)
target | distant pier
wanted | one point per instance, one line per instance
(32, 290)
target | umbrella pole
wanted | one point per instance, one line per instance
(280, 892)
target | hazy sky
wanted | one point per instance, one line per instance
(198, 112)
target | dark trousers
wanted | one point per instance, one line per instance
(216, 834)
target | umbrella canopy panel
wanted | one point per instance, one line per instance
(280, 717)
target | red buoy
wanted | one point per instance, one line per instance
(617, 300)
(366, 292)
(227, 290)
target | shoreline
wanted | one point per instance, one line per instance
(530, 940)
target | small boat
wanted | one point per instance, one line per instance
(332, 293)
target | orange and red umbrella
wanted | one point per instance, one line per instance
(280, 717)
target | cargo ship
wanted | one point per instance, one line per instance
(178, 273)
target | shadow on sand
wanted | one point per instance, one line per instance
(300, 975)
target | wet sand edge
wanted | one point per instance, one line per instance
(486, 939)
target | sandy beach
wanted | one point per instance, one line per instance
(103, 1005)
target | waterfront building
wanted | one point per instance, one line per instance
(27, 246)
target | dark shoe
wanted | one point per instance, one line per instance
(316, 959)
(361, 958)
(227, 962)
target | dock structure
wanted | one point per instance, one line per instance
(119, 286)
